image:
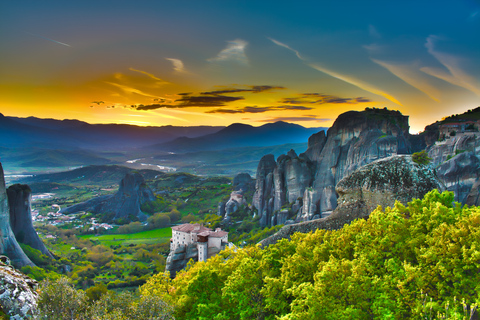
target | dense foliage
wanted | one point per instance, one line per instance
(59, 300)
(403, 262)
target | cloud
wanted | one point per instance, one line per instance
(253, 89)
(177, 65)
(235, 52)
(190, 101)
(318, 98)
(304, 118)
(205, 101)
(58, 42)
(255, 109)
(161, 81)
(410, 74)
(278, 43)
(130, 90)
(455, 74)
(350, 80)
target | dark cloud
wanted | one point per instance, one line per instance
(303, 118)
(318, 98)
(253, 89)
(205, 101)
(255, 109)
(153, 106)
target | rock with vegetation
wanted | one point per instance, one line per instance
(354, 140)
(19, 201)
(451, 146)
(125, 204)
(18, 295)
(380, 183)
(407, 262)
(8, 244)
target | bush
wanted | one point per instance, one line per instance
(421, 158)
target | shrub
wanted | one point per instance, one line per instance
(421, 158)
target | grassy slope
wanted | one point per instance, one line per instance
(150, 236)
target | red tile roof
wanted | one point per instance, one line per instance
(188, 228)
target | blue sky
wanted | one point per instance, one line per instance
(220, 62)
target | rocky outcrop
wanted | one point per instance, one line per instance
(178, 259)
(132, 193)
(354, 140)
(459, 174)
(19, 201)
(8, 244)
(379, 183)
(18, 295)
(451, 146)
(473, 197)
(243, 182)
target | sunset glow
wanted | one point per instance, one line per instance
(154, 63)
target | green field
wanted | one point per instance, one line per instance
(151, 236)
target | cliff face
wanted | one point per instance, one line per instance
(131, 194)
(19, 201)
(381, 182)
(8, 244)
(355, 139)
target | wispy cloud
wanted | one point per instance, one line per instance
(39, 36)
(130, 90)
(252, 89)
(303, 118)
(348, 79)
(455, 74)
(256, 109)
(318, 99)
(149, 75)
(235, 52)
(411, 75)
(178, 65)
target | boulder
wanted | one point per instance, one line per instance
(19, 201)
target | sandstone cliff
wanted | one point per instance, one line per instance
(381, 182)
(8, 244)
(19, 201)
(132, 193)
(355, 139)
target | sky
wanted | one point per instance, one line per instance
(187, 63)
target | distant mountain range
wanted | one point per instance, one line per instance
(240, 135)
(35, 145)
(73, 134)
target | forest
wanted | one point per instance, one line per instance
(414, 261)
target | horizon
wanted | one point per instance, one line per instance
(155, 63)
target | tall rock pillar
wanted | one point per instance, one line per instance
(19, 201)
(8, 244)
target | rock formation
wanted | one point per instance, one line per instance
(132, 193)
(8, 244)
(18, 298)
(177, 260)
(19, 201)
(381, 182)
(459, 175)
(354, 140)
(451, 146)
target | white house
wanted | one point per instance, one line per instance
(208, 242)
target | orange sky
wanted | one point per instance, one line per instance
(216, 63)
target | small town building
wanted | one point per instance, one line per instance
(207, 241)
